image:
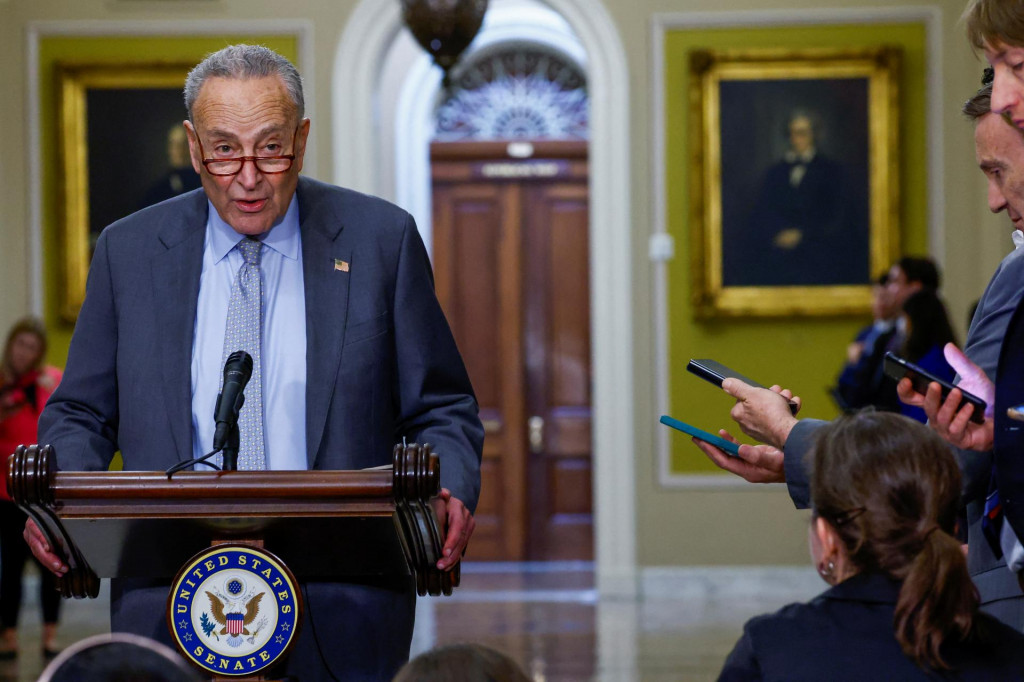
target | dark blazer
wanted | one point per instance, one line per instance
(381, 365)
(1009, 435)
(1000, 594)
(846, 633)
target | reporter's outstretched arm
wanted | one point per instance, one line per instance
(755, 463)
(763, 414)
(798, 475)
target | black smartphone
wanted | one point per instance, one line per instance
(716, 373)
(896, 368)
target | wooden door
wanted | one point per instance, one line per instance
(511, 268)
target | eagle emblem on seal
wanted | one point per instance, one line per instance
(234, 623)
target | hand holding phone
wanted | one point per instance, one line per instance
(719, 442)
(715, 373)
(897, 368)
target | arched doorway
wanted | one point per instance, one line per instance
(359, 116)
(510, 235)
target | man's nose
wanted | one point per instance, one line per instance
(996, 200)
(1004, 91)
(250, 175)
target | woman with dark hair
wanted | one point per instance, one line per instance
(885, 492)
(25, 386)
(927, 331)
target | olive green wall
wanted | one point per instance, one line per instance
(737, 524)
(802, 354)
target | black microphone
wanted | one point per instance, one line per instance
(237, 370)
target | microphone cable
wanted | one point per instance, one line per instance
(195, 460)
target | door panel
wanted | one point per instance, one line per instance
(476, 257)
(558, 369)
(511, 264)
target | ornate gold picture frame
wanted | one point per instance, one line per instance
(794, 179)
(114, 146)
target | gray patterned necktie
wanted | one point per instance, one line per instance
(243, 332)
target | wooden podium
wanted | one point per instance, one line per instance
(324, 525)
(144, 524)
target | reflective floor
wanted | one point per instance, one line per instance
(550, 619)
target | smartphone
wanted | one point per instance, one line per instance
(719, 442)
(896, 368)
(716, 373)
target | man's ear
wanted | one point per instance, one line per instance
(300, 143)
(193, 147)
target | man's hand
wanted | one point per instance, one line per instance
(948, 417)
(41, 549)
(756, 463)
(762, 413)
(460, 527)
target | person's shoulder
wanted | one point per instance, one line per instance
(348, 202)
(994, 649)
(785, 623)
(1012, 265)
(186, 209)
(992, 631)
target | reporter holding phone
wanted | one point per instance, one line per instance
(928, 330)
(901, 604)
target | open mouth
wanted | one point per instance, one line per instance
(250, 205)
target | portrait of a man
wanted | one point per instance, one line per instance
(135, 159)
(794, 182)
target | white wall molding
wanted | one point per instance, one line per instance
(723, 583)
(930, 17)
(301, 29)
(372, 28)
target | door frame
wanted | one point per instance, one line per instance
(370, 31)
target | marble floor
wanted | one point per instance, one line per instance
(549, 617)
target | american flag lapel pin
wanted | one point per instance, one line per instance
(341, 265)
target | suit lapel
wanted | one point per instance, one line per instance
(176, 274)
(326, 285)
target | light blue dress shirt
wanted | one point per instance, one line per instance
(284, 337)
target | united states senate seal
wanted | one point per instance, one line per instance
(233, 610)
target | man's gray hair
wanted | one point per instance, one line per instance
(244, 61)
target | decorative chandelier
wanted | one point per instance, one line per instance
(444, 28)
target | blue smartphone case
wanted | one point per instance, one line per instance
(719, 442)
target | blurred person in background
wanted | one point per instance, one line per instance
(25, 385)
(865, 384)
(860, 354)
(927, 328)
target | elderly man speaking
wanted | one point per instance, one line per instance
(329, 291)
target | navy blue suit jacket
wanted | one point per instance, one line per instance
(846, 633)
(381, 364)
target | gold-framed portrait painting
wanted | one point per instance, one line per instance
(794, 179)
(122, 147)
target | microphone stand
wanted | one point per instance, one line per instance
(230, 451)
